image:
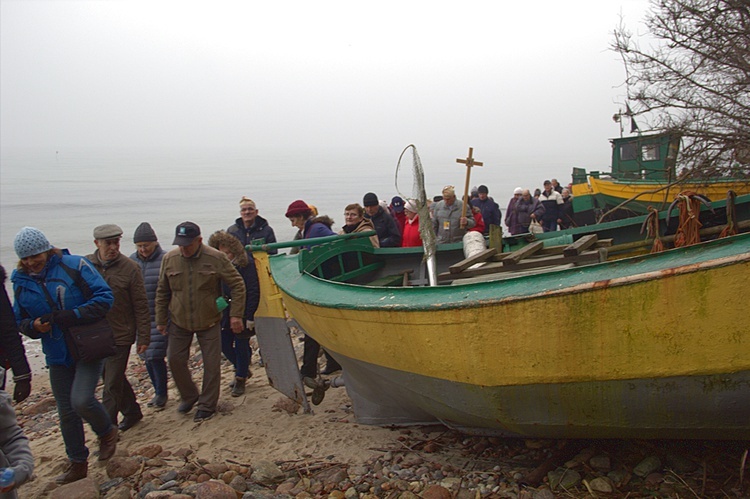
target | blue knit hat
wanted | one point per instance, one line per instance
(29, 242)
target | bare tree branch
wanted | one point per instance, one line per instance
(694, 79)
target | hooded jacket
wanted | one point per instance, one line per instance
(31, 301)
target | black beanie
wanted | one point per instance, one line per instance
(144, 233)
(370, 199)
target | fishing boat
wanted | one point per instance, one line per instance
(643, 174)
(652, 346)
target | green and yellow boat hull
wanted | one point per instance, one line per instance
(653, 346)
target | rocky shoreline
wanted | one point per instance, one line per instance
(261, 446)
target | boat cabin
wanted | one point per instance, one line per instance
(647, 157)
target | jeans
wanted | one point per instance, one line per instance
(549, 225)
(157, 371)
(73, 387)
(237, 351)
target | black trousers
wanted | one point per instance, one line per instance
(118, 395)
(310, 359)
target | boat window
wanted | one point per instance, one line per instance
(672, 153)
(628, 152)
(650, 152)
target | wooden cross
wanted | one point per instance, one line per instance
(469, 162)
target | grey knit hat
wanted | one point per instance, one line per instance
(29, 242)
(144, 234)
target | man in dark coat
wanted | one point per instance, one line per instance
(251, 227)
(12, 353)
(489, 208)
(386, 227)
(130, 321)
(148, 257)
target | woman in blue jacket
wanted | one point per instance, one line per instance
(53, 291)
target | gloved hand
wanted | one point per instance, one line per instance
(22, 390)
(64, 318)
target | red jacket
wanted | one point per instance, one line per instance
(479, 227)
(411, 237)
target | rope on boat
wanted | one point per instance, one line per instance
(652, 229)
(688, 231)
(731, 228)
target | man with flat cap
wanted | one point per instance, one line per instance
(129, 318)
(189, 284)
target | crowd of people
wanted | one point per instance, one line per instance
(161, 300)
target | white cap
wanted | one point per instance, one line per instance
(518, 190)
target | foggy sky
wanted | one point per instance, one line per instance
(534, 80)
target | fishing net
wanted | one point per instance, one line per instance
(419, 196)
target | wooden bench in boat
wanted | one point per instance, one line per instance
(532, 256)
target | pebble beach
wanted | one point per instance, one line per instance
(262, 445)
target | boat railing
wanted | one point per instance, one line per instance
(338, 258)
(297, 243)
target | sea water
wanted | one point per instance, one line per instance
(67, 192)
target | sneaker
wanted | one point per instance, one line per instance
(201, 415)
(238, 388)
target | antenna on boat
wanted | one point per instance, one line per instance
(617, 118)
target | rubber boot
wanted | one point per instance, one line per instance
(239, 387)
(74, 472)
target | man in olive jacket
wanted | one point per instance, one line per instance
(189, 283)
(130, 321)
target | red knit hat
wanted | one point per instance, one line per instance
(298, 207)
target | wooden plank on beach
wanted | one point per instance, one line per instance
(480, 257)
(522, 253)
(582, 244)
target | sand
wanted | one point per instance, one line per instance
(244, 430)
